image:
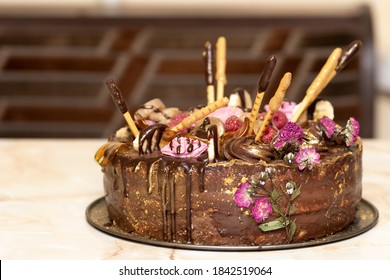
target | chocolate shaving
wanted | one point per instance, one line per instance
(265, 77)
(348, 54)
(117, 96)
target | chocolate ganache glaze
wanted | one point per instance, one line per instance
(191, 200)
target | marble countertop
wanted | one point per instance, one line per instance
(47, 184)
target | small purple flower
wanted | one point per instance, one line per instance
(261, 209)
(289, 134)
(307, 158)
(352, 131)
(242, 196)
(328, 126)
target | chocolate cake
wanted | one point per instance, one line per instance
(231, 174)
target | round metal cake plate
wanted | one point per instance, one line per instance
(366, 218)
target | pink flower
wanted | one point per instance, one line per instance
(352, 131)
(261, 209)
(328, 126)
(242, 196)
(291, 133)
(307, 158)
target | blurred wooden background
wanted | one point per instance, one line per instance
(53, 69)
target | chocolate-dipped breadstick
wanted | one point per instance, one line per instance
(208, 55)
(264, 82)
(220, 74)
(320, 82)
(275, 102)
(345, 58)
(121, 104)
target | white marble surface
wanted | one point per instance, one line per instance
(46, 186)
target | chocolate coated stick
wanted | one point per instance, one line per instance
(275, 103)
(323, 78)
(264, 82)
(118, 99)
(265, 78)
(208, 55)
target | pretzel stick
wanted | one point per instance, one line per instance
(264, 82)
(208, 56)
(121, 104)
(190, 120)
(220, 74)
(255, 111)
(319, 83)
(275, 102)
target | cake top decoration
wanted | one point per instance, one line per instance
(228, 128)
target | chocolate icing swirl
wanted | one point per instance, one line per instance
(247, 149)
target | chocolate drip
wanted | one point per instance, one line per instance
(147, 135)
(162, 170)
(265, 78)
(117, 96)
(172, 206)
(188, 207)
(123, 175)
(212, 135)
(208, 55)
(163, 202)
(168, 204)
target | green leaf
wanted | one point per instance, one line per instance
(292, 209)
(274, 195)
(273, 225)
(291, 230)
(295, 193)
(277, 209)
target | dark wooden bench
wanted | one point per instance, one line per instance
(53, 69)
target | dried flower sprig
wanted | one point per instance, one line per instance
(242, 197)
(307, 158)
(328, 126)
(264, 200)
(351, 131)
(290, 134)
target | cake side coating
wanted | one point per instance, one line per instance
(167, 199)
